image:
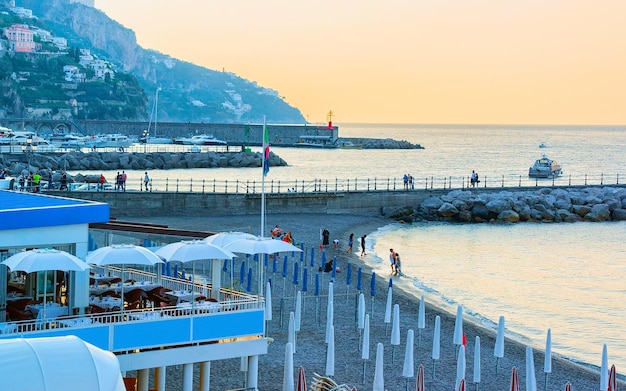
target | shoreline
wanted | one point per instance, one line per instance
(348, 365)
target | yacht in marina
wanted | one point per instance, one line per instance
(111, 140)
(200, 139)
(17, 141)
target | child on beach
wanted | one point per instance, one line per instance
(350, 243)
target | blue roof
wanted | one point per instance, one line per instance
(27, 210)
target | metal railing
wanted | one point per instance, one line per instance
(343, 185)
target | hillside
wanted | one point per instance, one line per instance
(188, 92)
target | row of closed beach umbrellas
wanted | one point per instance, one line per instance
(607, 381)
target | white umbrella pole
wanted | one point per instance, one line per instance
(45, 291)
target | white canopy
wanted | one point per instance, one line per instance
(58, 364)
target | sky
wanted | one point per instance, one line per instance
(406, 61)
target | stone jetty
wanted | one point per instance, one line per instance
(542, 205)
(138, 161)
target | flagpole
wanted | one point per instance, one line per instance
(265, 160)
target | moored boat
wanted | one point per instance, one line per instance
(544, 168)
(200, 139)
(113, 140)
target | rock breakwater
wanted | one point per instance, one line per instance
(138, 161)
(543, 205)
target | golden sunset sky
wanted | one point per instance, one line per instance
(406, 61)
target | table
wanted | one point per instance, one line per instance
(100, 289)
(182, 296)
(13, 297)
(53, 310)
(102, 278)
(106, 302)
(203, 307)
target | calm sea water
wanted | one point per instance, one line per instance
(566, 277)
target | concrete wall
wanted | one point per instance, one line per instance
(139, 204)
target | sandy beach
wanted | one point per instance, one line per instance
(310, 347)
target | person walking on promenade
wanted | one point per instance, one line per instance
(363, 245)
(123, 180)
(101, 182)
(474, 179)
(146, 180)
(350, 243)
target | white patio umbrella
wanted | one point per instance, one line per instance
(531, 381)
(498, 350)
(460, 367)
(43, 260)
(408, 370)
(223, 238)
(260, 246)
(330, 353)
(379, 381)
(122, 254)
(547, 359)
(191, 251)
(477, 361)
(288, 371)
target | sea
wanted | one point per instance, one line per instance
(567, 278)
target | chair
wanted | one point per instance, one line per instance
(20, 304)
(110, 293)
(134, 295)
(96, 309)
(200, 298)
(157, 297)
(114, 280)
(134, 305)
(17, 314)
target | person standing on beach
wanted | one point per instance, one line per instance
(350, 243)
(325, 237)
(398, 265)
(363, 245)
(392, 260)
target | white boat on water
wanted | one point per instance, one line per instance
(146, 138)
(68, 140)
(200, 139)
(544, 168)
(19, 140)
(7, 183)
(112, 140)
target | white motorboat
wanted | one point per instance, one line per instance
(544, 168)
(200, 139)
(112, 140)
(68, 140)
(7, 183)
(20, 140)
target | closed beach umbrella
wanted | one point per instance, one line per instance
(349, 274)
(359, 279)
(242, 273)
(291, 330)
(288, 371)
(268, 302)
(408, 367)
(437, 338)
(419, 381)
(568, 387)
(365, 347)
(183, 275)
(274, 264)
(301, 252)
(547, 359)
(317, 285)
(460, 367)
(175, 270)
(373, 285)
(421, 319)
(329, 321)
(305, 279)
(612, 379)
(330, 354)
(295, 273)
(312, 263)
(298, 310)
(379, 381)
(390, 283)
(333, 272)
(604, 370)
(514, 379)
(249, 285)
(388, 306)
(477, 361)
(395, 328)
(301, 383)
(458, 327)
(168, 269)
(361, 312)
(285, 267)
(498, 350)
(461, 385)
(531, 381)
(225, 266)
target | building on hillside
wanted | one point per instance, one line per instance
(22, 12)
(20, 38)
(73, 74)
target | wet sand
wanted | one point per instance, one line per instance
(311, 349)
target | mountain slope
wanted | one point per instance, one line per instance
(188, 92)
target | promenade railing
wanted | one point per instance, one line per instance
(337, 185)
